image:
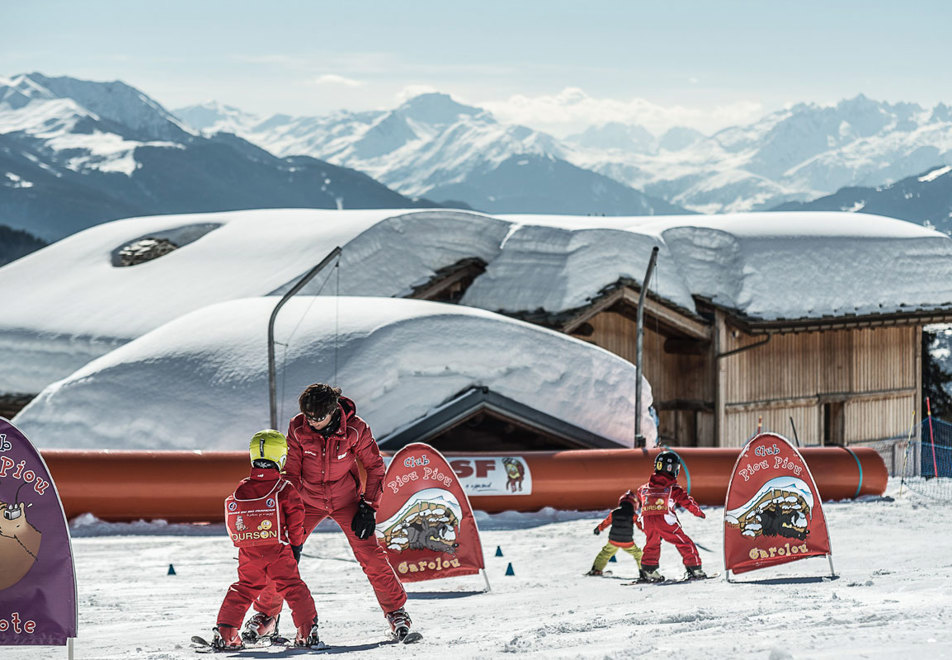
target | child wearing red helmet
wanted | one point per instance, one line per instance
(658, 499)
(621, 535)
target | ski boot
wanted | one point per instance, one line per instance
(595, 571)
(260, 626)
(399, 624)
(226, 638)
(694, 573)
(650, 574)
(307, 635)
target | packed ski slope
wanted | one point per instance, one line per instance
(891, 599)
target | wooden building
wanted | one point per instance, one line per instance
(715, 375)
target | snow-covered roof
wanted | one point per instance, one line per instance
(766, 266)
(71, 304)
(200, 381)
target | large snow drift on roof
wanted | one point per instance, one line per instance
(200, 382)
(808, 265)
(762, 265)
(72, 304)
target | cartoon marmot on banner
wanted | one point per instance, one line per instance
(19, 541)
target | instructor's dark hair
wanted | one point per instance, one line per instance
(319, 400)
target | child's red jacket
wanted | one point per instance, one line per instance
(658, 498)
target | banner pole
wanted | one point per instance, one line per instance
(832, 572)
(905, 454)
(486, 577)
(935, 466)
(69, 648)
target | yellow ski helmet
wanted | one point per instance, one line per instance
(269, 445)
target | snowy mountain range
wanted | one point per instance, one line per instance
(454, 152)
(436, 147)
(924, 198)
(75, 153)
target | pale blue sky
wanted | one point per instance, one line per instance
(551, 64)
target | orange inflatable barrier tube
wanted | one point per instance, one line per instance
(190, 486)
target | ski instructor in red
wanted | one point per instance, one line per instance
(325, 442)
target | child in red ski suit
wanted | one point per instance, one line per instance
(621, 535)
(658, 499)
(265, 519)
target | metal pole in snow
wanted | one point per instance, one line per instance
(905, 454)
(935, 465)
(639, 343)
(272, 379)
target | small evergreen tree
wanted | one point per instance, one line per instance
(16, 243)
(936, 382)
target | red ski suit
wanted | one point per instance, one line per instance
(657, 500)
(325, 472)
(270, 565)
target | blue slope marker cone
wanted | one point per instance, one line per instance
(509, 570)
(613, 559)
(171, 570)
(498, 551)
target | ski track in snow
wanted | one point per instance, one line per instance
(888, 601)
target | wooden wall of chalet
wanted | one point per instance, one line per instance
(682, 384)
(839, 386)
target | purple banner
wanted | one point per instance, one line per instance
(37, 578)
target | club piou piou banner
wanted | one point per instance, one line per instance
(425, 522)
(772, 513)
(37, 576)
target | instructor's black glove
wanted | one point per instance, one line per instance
(296, 551)
(364, 521)
(597, 531)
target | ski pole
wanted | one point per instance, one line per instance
(905, 455)
(935, 465)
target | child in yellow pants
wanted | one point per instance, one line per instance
(621, 535)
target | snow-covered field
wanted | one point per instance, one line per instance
(892, 598)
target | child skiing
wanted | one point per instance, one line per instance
(265, 519)
(658, 499)
(621, 535)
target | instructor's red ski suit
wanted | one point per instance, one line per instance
(325, 472)
(658, 499)
(270, 566)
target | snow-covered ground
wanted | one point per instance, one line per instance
(891, 599)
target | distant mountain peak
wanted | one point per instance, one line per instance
(438, 109)
(113, 101)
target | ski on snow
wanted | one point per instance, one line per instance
(204, 646)
(671, 581)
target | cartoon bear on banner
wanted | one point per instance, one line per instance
(19, 540)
